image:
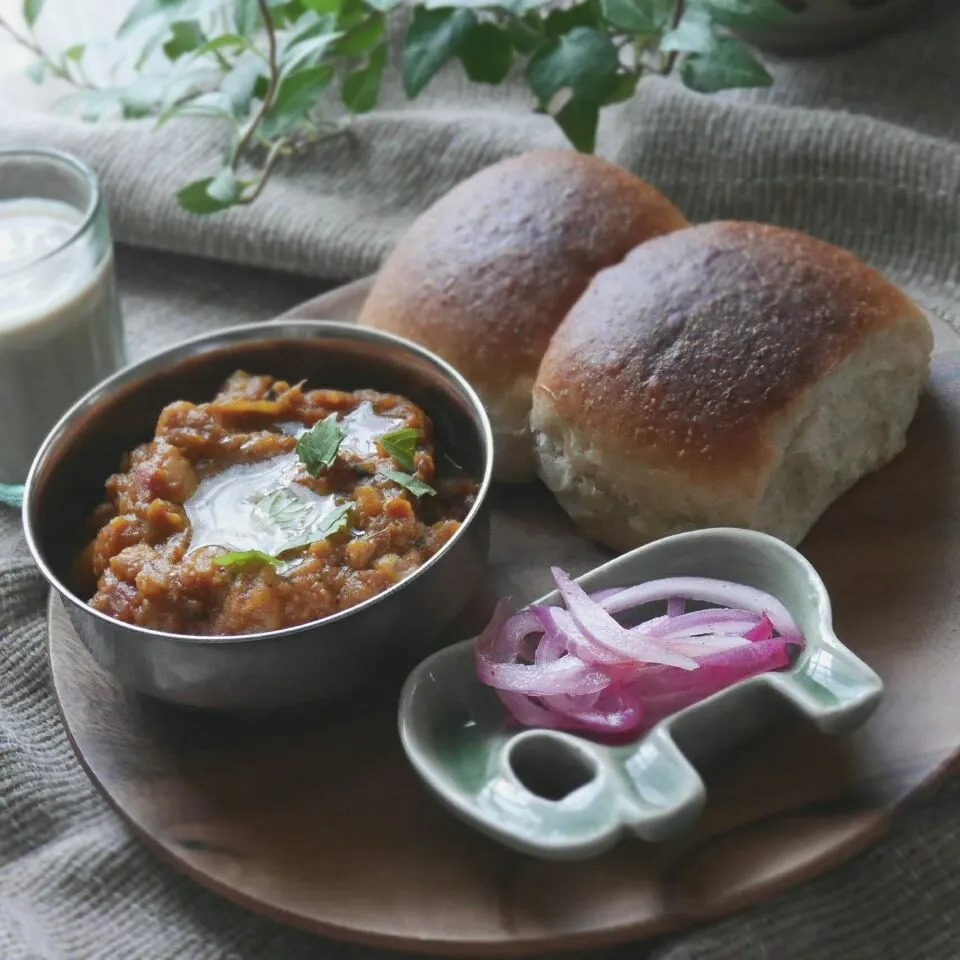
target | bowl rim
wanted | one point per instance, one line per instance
(280, 329)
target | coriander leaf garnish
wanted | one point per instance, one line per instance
(240, 558)
(401, 445)
(283, 508)
(414, 484)
(317, 448)
(329, 524)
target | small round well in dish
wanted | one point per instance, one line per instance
(310, 661)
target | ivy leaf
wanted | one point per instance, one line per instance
(317, 448)
(186, 36)
(401, 445)
(143, 95)
(196, 198)
(224, 41)
(582, 69)
(31, 10)
(433, 38)
(361, 38)
(246, 16)
(361, 88)
(579, 120)
(414, 484)
(36, 71)
(623, 89)
(240, 83)
(486, 53)
(585, 61)
(308, 51)
(743, 13)
(561, 21)
(297, 94)
(525, 37)
(147, 10)
(693, 34)
(216, 104)
(638, 16)
(728, 64)
(225, 187)
(240, 558)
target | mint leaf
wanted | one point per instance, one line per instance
(361, 38)
(317, 448)
(361, 88)
(728, 64)
(246, 16)
(414, 484)
(638, 16)
(240, 558)
(31, 10)
(693, 34)
(296, 96)
(485, 53)
(401, 445)
(195, 198)
(186, 35)
(433, 38)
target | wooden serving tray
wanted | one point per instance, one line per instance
(314, 818)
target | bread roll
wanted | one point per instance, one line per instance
(728, 374)
(484, 276)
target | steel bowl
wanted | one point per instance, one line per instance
(324, 659)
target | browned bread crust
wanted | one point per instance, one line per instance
(688, 348)
(485, 275)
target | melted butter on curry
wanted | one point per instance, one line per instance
(237, 508)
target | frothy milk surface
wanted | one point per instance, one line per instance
(59, 324)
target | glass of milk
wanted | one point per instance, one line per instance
(60, 326)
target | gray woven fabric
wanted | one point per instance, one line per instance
(862, 149)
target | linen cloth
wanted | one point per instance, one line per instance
(861, 148)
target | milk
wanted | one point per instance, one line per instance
(60, 327)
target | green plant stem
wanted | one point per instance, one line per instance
(271, 92)
(50, 64)
(671, 59)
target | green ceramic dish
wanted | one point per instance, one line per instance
(560, 796)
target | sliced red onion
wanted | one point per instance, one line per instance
(714, 620)
(575, 668)
(675, 606)
(705, 590)
(596, 624)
